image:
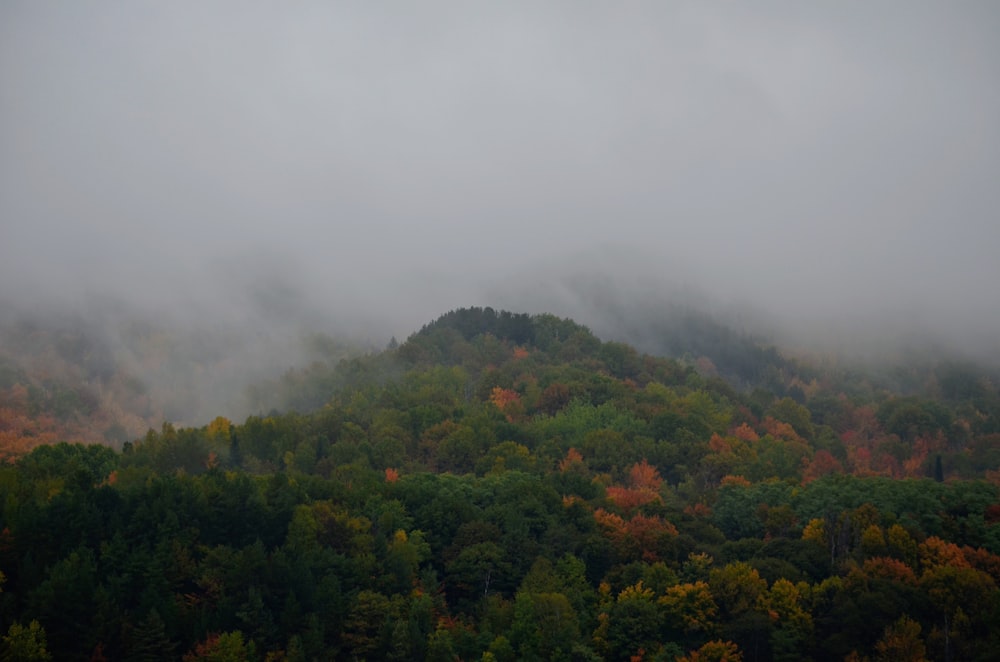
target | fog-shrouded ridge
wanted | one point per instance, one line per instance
(822, 175)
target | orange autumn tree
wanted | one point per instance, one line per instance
(645, 476)
(640, 537)
(901, 642)
(644, 483)
(508, 401)
(746, 433)
(780, 429)
(739, 481)
(823, 463)
(20, 432)
(503, 397)
(572, 461)
(883, 568)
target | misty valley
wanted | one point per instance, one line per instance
(498, 486)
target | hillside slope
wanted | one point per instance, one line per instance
(506, 486)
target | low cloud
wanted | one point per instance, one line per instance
(829, 173)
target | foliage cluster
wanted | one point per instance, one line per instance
(509, 487)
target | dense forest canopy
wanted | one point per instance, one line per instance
(504, 486)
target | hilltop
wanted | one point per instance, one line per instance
(70, 384)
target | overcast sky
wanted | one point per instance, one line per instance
(390, 161)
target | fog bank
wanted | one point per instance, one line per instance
(827, 172)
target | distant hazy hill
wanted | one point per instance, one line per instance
(69, 379)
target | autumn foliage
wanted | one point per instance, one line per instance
(639, 536)
(524, 492)
(508, 401)
(714, 651)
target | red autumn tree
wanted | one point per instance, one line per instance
(823, 463)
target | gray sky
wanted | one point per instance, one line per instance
(830, 163)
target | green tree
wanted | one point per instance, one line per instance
(63, 601)
(225, 647)
(633, 623)
(474, 572)
(545, 626)
(148, 640)
(25, 644)
(738, 589)
(365, 630)
(792, 624)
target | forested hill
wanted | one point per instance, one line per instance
(504, 486)
(674, 331)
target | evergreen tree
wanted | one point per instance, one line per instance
(148, 641)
